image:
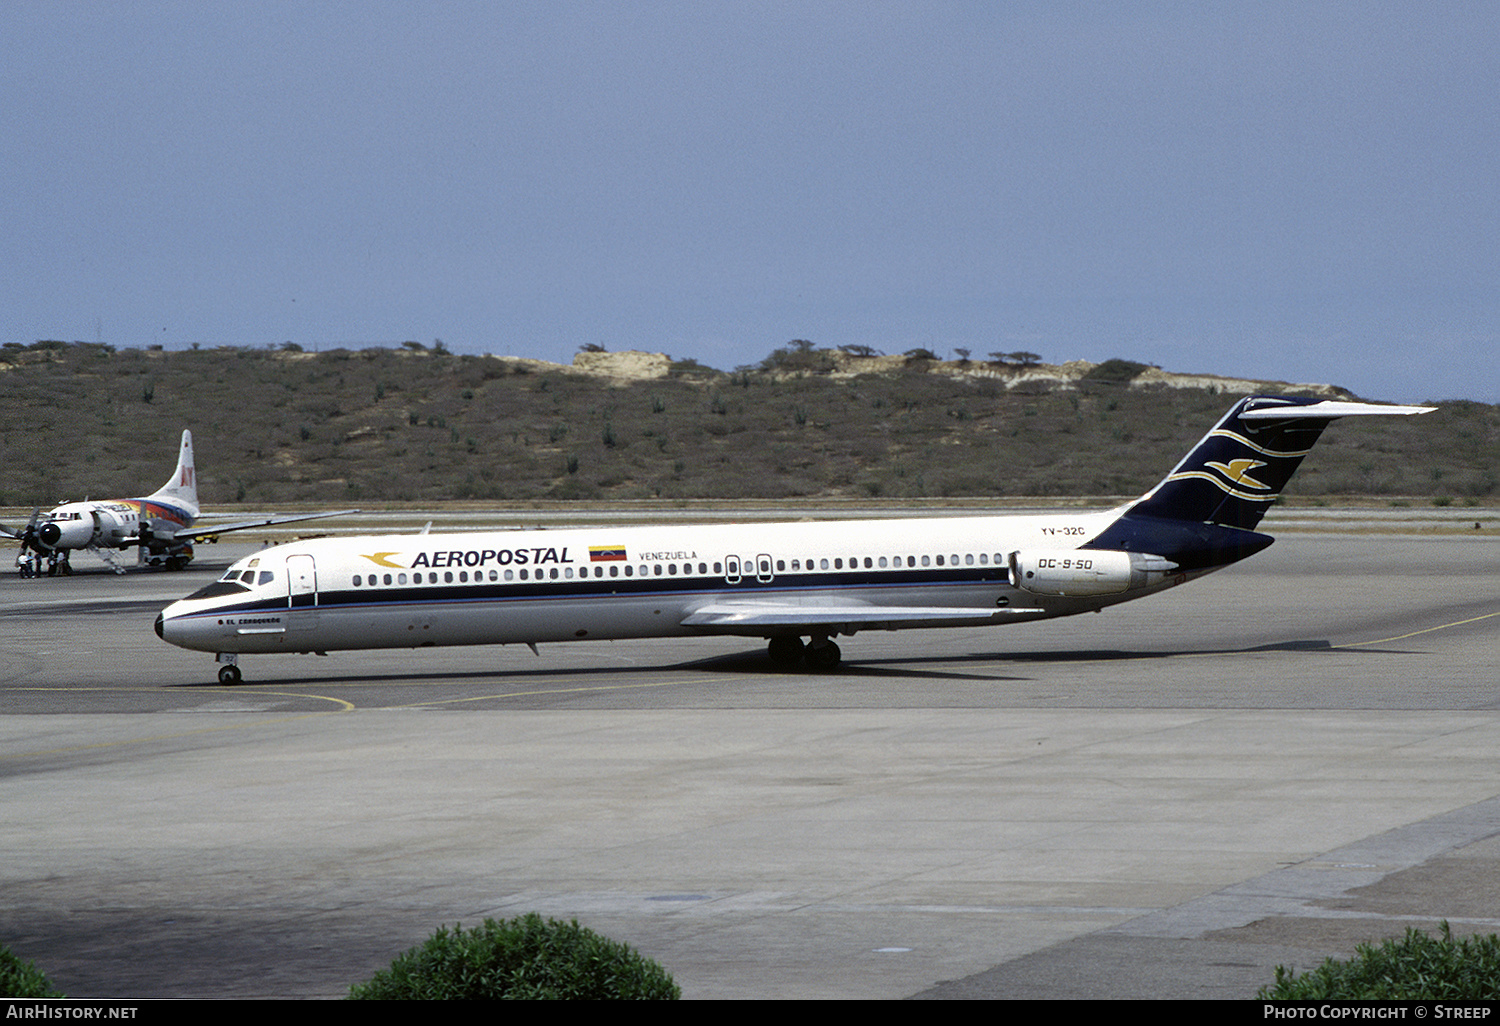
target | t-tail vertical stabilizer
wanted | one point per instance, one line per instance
(1240, 467)
(1202, 515)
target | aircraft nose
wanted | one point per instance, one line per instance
(49, 534)
(159, 619)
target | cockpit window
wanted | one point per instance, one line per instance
(219, 589)
(249, 577)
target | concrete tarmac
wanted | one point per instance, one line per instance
(1163, 800)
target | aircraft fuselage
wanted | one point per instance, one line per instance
(601, 583)
(784, 582)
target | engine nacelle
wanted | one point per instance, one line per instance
(1080, 573)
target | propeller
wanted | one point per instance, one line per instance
(28, 536)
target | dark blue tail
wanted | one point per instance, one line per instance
(1239, 468)
(1203, 513)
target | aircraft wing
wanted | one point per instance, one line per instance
(164, 530)
(756, 617)
(204, 530)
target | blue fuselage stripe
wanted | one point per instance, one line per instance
(396, 596)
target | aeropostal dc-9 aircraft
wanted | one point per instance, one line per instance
(783, 582)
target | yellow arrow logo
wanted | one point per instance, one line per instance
(379, 559)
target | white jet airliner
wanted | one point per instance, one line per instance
(783, 582)
(159, 526)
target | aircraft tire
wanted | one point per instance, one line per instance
(229, 675)
(823, 658)
(786, 650)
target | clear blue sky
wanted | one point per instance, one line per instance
(1298, 190)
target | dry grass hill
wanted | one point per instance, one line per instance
(411, 424)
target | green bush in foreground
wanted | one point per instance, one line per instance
(1417, 967)
(526, 958)
(20, 979)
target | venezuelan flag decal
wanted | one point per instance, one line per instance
(606, 553)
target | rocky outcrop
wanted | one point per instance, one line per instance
(630, 364)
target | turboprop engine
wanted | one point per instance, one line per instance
(1079, 573)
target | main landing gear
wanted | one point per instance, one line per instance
(819, 655)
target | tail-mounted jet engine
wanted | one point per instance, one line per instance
(1080, 573)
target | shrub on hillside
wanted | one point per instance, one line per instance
(20, 979)
(1116, 372)
(526, 958)
(1415, 968)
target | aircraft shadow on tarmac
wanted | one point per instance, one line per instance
(755, 663)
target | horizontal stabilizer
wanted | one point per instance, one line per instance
(1328, 409)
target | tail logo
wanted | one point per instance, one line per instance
(1238, 472)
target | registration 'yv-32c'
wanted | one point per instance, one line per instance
(798, 585)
